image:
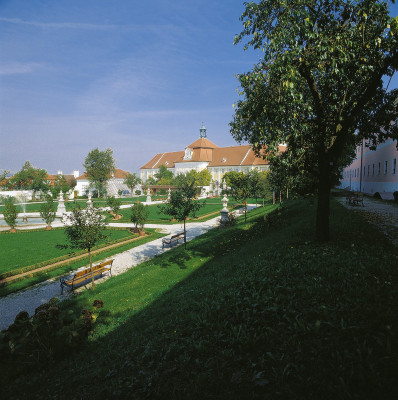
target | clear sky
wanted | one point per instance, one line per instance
(136, 76)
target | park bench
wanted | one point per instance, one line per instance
(173, 239)
(85, 274)
(354, 199)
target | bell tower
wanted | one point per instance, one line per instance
(202, 131)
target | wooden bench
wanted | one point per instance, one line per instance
(173, 239)
(354, 199)
(85, 274)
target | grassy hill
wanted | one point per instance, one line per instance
(258, 310)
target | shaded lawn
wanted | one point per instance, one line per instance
(30, 247)
(255, 311)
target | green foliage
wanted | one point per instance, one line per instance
(30, 178)
(63, 183)
(114, 204)
(84, 228)
(51, 332)
(318, 86)
(10, 212)
(240, 186)
(131, 181)
(164, 176)
(182, 204)
(47, 210)
(138, 192)
(99, 166)
(250, 312)
(139, 214)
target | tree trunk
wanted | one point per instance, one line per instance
(91, 269)
(323, 205)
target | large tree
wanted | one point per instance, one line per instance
(319, 86)
(30, 178)
(99, 166)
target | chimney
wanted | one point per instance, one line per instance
(59, 172)
(76, 173)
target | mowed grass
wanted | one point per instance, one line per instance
(259, 310)
(25, 248)
(156, 216)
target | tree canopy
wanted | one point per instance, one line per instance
(99, 166)
(319, 84)
(131, 181)
(182, 204)
(30, 178)
(84, 229)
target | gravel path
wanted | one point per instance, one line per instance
(381, 214)
(29, 299)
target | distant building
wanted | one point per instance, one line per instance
(203, 153)
(373, 171)
(114, 185)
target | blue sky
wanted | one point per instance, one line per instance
(136, 76)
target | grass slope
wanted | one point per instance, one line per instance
(254, 311)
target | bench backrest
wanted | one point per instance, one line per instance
(82, 272)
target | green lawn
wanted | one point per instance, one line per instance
(256, 311)
(27, 248)
(155, 216)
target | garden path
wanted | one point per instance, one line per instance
(383, 215)
(29, 299)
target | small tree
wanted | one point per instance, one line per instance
(139, 215)
(47, 211)
(240, 186)
(10, 212)
(114, 204)
(84, 229)
(263, 186)
(131, 181)
(182, 204)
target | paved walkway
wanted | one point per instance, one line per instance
(381, 214)
(29, 299)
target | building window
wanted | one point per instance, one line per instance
(394, 166)
(379, 168)
(385, 167)
(373, 170)
(368, 169)
(222, 170)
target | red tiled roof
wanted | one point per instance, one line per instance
(202, 143)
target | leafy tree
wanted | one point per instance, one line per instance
(254, 179)
(240, 186)
(202, 178)
(182, 204)
(139, 215)
(114, 204)
(84, 229)
(63, 183)
(10, 212)
(3, 179)
(319, 86)
(30, 178)
(164, 176)
(99, 166)
(131, 181)
(264, 186)
(47, 210)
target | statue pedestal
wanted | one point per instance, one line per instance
(224, 216)
(61, 209)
